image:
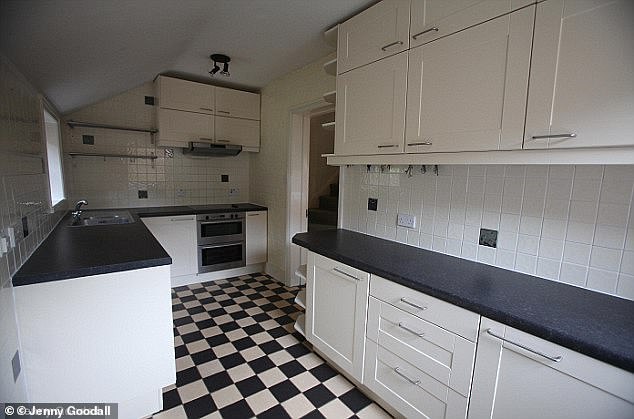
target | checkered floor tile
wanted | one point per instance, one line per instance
(238, 356)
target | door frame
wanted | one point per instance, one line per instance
(297, 181)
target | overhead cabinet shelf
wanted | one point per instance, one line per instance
(331, 97)
(330, 36)
(328, 126)
(331, 67)
(74, 124)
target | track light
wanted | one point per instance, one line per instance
(222, 59)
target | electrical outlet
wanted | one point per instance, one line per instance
(488, 237)
(234, 191)
(373, 203)
(406, 220)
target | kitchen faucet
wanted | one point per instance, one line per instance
(77, 213)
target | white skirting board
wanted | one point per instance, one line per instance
(179, 281)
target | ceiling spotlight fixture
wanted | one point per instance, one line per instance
(222, 59)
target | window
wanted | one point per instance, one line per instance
(54, 158)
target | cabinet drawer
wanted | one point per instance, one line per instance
(407, 389)
(455, 319)
(443, 355)
(339, 269)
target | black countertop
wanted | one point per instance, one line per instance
(595, 324)
(72, 252)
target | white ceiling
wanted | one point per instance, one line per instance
(78, 52)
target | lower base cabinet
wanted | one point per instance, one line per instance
(518, 375)
(177, 234)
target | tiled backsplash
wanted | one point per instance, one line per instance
(171, 179)
(567, 223)
(23, 193)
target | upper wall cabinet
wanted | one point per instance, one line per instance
(433, 19)
(179, 128)
(582, 75)
(370, 110)
(238, 131)
(467, 91)
(185, 95)
(378, 32)
(237, 104)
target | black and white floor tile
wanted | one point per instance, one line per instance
(238, 356)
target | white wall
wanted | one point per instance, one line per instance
(269, 167)
(22, 181)
(115, 182)
(573, 224)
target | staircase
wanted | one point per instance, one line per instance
(325, 217)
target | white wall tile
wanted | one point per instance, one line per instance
(557, 222)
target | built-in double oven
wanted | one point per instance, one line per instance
(221, 241)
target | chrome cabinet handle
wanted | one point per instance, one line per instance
(422, 143)
(206, 109)
(398, 371)
(385, 47)
(346, 274)
(409, 303)
(536, 352)
(543, 137)
(182, 219)
(223, 141)
(434, 29)
(414, 332)
(205, 139)
(228, 113)
(387, 145)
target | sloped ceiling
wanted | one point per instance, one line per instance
(78, 52)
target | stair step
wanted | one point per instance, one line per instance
(334, 189)
(320, 216)
(329, 202)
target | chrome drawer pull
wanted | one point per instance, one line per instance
(536, 352)
(434, 29)
(409, 303)
(544, 137)
(398, 371)
(391, 45)
(228, 113)
(387, 145)
(205, 109)
(423, 143)
(346, 274)
(414, 332)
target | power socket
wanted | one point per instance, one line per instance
(406, 220)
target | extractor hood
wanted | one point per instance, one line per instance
(207, 149)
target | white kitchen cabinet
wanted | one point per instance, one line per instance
(433, 19)
(582, 75)
(237, 104)
(467, 91)
(256, 241)
(179, 128)
(370, 109)
(244, 132)
(177, 235)
(336, 307)
(377, 32)
(185, 95)
(521, 376)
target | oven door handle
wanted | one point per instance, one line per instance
(235, 220)
(215, 246)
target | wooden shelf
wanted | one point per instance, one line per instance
(301, 272)
(331, 67)
(328, 126)
(125, 156)
(74, 124)
(331, 97)
(330, 36)
(300, 299)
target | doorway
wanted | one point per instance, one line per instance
(298, 177)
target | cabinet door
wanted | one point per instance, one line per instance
(370, 110)
(256, 237)
(467, 91)
(177, 235)
(512, 382)
(244, 132)
(433, 19)
(336, 306)
(237, 104)
(185, 95)
(178, 128)
(582, 75)
(377, 32)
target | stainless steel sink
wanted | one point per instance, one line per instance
(105, 217)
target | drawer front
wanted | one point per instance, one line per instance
(407, 389)
(443, 355)
(455, 319)
(339, 268)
